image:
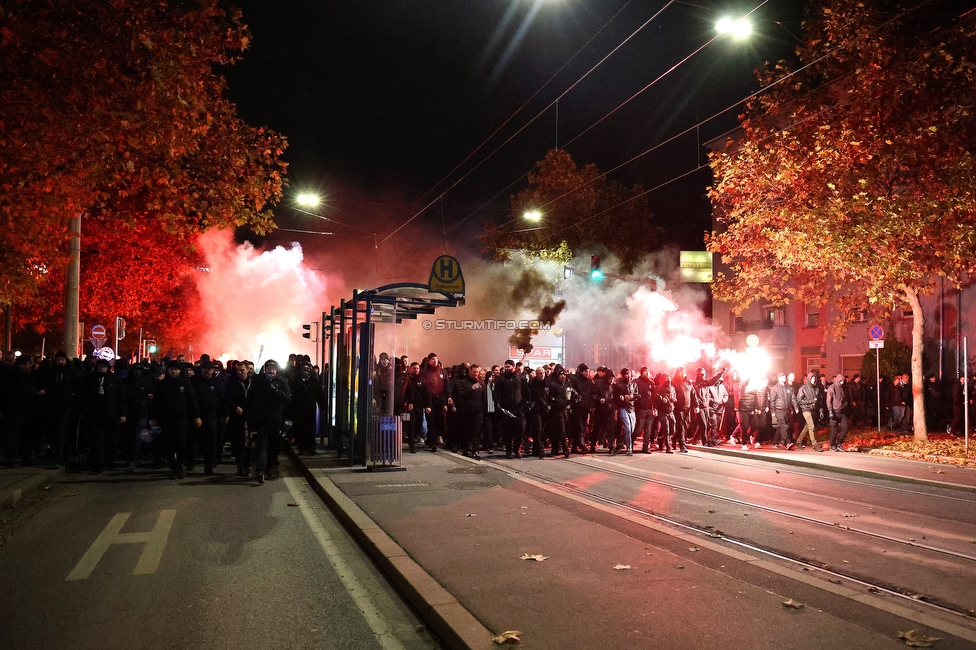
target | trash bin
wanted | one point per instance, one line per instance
(385, 442)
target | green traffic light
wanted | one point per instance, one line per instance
(596, 274)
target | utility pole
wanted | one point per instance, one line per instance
(71, 286)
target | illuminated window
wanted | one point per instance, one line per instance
(774, 316)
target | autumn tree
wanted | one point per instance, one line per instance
(580, 208)
(115, 110)
(851, 183)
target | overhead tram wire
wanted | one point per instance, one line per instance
(533, 119)
(524, 104)
(721, 112)
(338, 223)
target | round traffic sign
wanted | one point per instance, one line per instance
(98, 331)
(876, 333)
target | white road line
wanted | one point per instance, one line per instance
(155, 541)
(377, 622)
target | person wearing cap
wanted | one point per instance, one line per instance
(104, 401)
(209, 392)
(174, 407)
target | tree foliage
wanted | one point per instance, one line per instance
(581, 209)
(851, 184)
(113, 109)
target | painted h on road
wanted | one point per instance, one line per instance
(154, 540)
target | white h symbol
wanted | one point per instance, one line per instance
(154, 540)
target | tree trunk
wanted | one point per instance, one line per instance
(918, 380)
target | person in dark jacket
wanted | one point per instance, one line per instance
(806, 403)
(538, 414)
(417, 403)
(702, 401)
(781, 408)
(664, 400)
(306, 394)
(644, 410)
(838, 406)
(209, 391)
(508, 398)
(103, 397)
(583, 388)
(624, 398)
(683, 406)
(270, 395)
(603, 422)
(58, 391)
(174, 408)
(139, 393)
(19, 393)
(236, 391)
(753, 406)
(439, 387)
(469, 398)
(560, 397)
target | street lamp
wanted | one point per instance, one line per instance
(308, 200)
(736, 28)
(532, 215)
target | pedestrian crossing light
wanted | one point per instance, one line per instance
(151, 347)
(308, 331)
(595, 272)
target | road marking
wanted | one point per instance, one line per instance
(155, 541)
(377, 622)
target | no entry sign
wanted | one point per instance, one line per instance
(98, 331)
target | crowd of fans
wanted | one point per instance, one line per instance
(551, 410)
(157, 414)
(174, 414)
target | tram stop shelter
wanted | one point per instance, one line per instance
(362, 420)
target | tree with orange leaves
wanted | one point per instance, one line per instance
(850, 183)
(113, 110)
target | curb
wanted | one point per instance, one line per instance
(455, 625)
(850, 471)
(27, 487)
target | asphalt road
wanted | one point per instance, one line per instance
(118, 561)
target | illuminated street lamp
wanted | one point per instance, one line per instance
(308, 200)
(736, 28)
(532, 215)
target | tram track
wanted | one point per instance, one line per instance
(871, 584)
(777, 511)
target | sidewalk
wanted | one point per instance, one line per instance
(23, 482)
(450, 533)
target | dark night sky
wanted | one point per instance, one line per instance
(384, 98)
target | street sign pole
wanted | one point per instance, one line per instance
(965, 384)
(877, 342)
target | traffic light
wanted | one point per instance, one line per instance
(151, 346)
(595, 272)
(308, 330)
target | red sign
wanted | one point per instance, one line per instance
(543, 354)
(98, 331)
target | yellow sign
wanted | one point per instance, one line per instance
(696, 266)
(446, 276)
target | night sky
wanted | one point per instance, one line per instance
(385, 98)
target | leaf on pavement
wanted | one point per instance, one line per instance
(792, 603)
(511, 636)
(469, 515)
(621, 567)
(537, 558)
(848, 515)
(694, 549)
(292, 505)
(915, 640)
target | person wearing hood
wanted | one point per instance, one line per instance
(139, 394)
(306, 394)
(508, 398)
(266, 403)
(838, 406)
(624, 394)
(209, 392)
(439, 387)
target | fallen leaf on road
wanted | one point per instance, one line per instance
(512, 636)
(680, 566)
(44, 487)
(848, 515)
(792, 603)
(714, 535)
(470, 515)
(915, 640)
(940, 471)
(694, 549)
(537, 558)
(523, 507)
(709, 511)
(621, 567)
(874, 590)
(845, 561)
(292, 505)
(421, 628)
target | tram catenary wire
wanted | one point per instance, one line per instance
(888, 589)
